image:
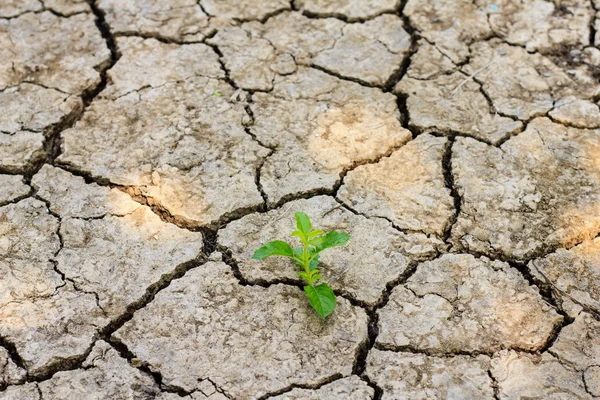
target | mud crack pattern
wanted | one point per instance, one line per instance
(148, 147)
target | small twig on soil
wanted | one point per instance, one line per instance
(278, 218)
(471, 77)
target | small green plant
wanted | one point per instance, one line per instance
(320, 296)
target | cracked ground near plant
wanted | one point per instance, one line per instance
(147, 148)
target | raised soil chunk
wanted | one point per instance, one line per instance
(418, 376)
(67, 7)
(21, 151)
(69, 196)
(544, 185)
(453, 104)
(523, 85)
(249, 60)
(352, 388)
(33, 108)
(179, 20)
(111, 245)
(573, 274)
(30, 112)
(350, 10)
(371, 52)
(13, 8)
(578, 347)
(407, 187)
(246, 10)
(298, 35)
(428, 62)
(12, 188)
(150, 63)
(575, 112)
(459, 303)
(248, 340)
(44, 317)
(55, 52)
(10, 373)
(59, 293)
(375, 256)
(452, 25)
(541, 25)
(105, 375)
(523, 375)
(181, 145)
(321, 126)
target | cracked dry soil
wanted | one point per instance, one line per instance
(147, 148)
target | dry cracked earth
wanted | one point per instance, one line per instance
(148, 147)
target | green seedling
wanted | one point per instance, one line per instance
(313, 242)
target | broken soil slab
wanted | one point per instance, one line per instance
(451, 103)
(104, 375)
(573, 275)
(578, 345)
(55, 52)
(320, 126)
(350, 10)
(182, 146)
(46, 319)
(246, 10)
(375, 256)
(351, 388)
(12, 188)
(248, 340)
(449, 24)
(428, 62)
(29, 107)
(69, 196)
(540, 25)
(121, 250)
(544, 185)
(523, 85)
(151, 63)
(248, 59)
(524, 375)
(575, 112)
(21, 151)
(14, 8)
(418, 376)
(179, 20)
(407, 188)
(60, 292)
(461, 304)
(10, 373)
(370, 52)
(67, 7)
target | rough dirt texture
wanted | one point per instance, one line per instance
(411, 195)
(249, 341)
(418, 376)
(148, 148)
(462, 304)
(377, 255)
(540, 190)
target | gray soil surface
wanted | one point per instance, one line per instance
(148, 147)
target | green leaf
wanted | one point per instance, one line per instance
(331, 239)
(315, 233)
(314, 263)
(303, 275)
(275, 248)
(300, 235)
(303, 223)
(321, 298)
